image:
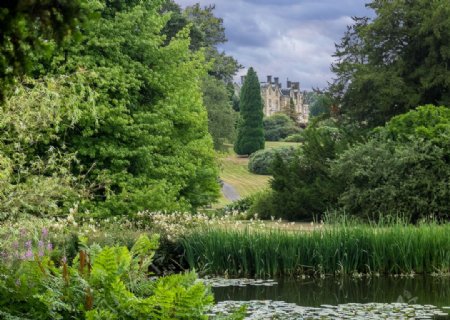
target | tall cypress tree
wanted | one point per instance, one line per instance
(250, 129)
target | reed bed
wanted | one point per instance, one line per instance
(357, 250)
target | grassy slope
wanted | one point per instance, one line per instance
(234, 172)
(279, 144)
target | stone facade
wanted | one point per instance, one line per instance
(277, 99)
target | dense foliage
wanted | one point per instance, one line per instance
(261, 161)
(296, 137)
(250, 136)
(36, 177)
(221, 116)
(206, 32)
(403, 170)
(278, 127)
(100, 283)
(128, 110)
(394, 62)
(302, 185)
(30, 32)
(320, 104)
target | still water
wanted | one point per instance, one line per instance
(335, 291)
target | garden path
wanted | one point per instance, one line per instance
(229, 192)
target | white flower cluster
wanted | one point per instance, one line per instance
(173, 225)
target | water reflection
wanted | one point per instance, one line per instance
(333, 291)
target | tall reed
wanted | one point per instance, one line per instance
(340, 249)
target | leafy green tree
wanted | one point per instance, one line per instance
(30, 29)
(233, 95)
(148, 138)
(206, 32)
(135, 118)
(221, 116)
(392, 63)
(321, 105)
(250, 137)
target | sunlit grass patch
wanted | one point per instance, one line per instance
(234, 171)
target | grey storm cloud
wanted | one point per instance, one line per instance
(286, 38)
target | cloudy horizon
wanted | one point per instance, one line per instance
(285, 38)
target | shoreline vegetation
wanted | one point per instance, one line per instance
(331, 250)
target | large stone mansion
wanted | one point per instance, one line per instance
(277, 99)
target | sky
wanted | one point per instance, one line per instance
(285, 38)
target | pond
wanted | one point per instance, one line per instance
(391, 297)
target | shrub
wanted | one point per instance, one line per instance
(278, 127)
(239, 206)
(404, 169)
(426, 122)
(296, 137)
(261, 161)
(262, 206)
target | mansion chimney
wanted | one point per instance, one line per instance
(276, 80)
(289, 83)
(269, 79)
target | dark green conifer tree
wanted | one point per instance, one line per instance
(250, 128)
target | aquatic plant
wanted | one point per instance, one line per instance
(340, 249)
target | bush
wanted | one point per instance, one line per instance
(404, 169)
(278, 127)
(239, 206)
(262, 205)
(261, 161)
(296, 137)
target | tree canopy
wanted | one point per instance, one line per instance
(136, 123)
(206, 33)
(221, 116)
(390, 64)
(29, 30)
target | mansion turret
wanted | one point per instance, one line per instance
(278, 99)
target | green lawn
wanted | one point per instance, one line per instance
(278, 144)
(233, 170)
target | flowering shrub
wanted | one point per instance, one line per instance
(174, 225)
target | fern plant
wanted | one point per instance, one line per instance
(101, 283)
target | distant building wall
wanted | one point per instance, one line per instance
(276, 99)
